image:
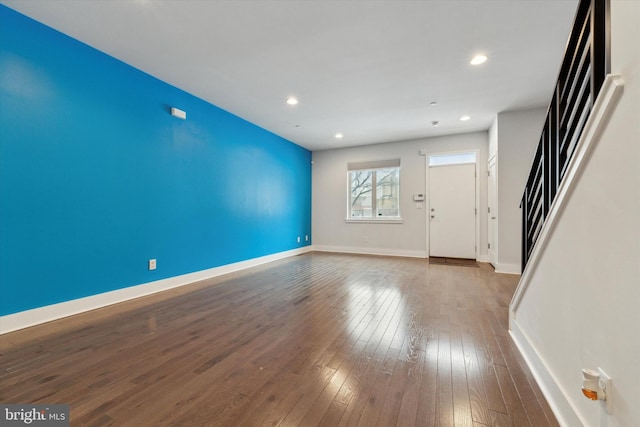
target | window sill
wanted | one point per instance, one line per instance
(374, 221)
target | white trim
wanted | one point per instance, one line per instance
(502, 267)
(36, 316)
(370, 251)
(604, 106)
(493, 160)
(374, 221)
(562, 407)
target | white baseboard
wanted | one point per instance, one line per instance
(505, 268)
(561, 406)
(557, 396)
(370, 251)
(382, 251)
(36, 316)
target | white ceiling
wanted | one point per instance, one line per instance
(367, 69)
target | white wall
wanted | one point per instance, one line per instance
(329, 196)
(493, 138)
(580, 307)
(518, 133)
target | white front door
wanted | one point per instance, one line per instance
(452, 211)
(492, 224)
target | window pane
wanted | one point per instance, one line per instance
(361, 200)
(387, 192)
(451, 159)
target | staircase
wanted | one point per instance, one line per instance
(584, 67)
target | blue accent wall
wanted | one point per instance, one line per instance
(96, 176)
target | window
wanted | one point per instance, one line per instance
(451, 159)
(374, 190)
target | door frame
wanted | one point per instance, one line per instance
(427, 156)
(492, 226)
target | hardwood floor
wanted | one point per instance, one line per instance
(314, 340)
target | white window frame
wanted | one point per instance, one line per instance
(373, 166)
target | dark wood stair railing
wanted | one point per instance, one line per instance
(584, 67)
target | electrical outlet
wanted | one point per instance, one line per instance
(605, 384)
(306, 238)
(298, 239)
(152, 264)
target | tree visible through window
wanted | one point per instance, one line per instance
(374, 193)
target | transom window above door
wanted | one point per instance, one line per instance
(452, 159)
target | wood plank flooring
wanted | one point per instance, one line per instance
(314, 340)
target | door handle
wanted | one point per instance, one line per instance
(493, 217)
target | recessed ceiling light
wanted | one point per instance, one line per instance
(433, 103)
(292, 101)
(435, 123)
(339, 135)
(465, 118)
(478, 59)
